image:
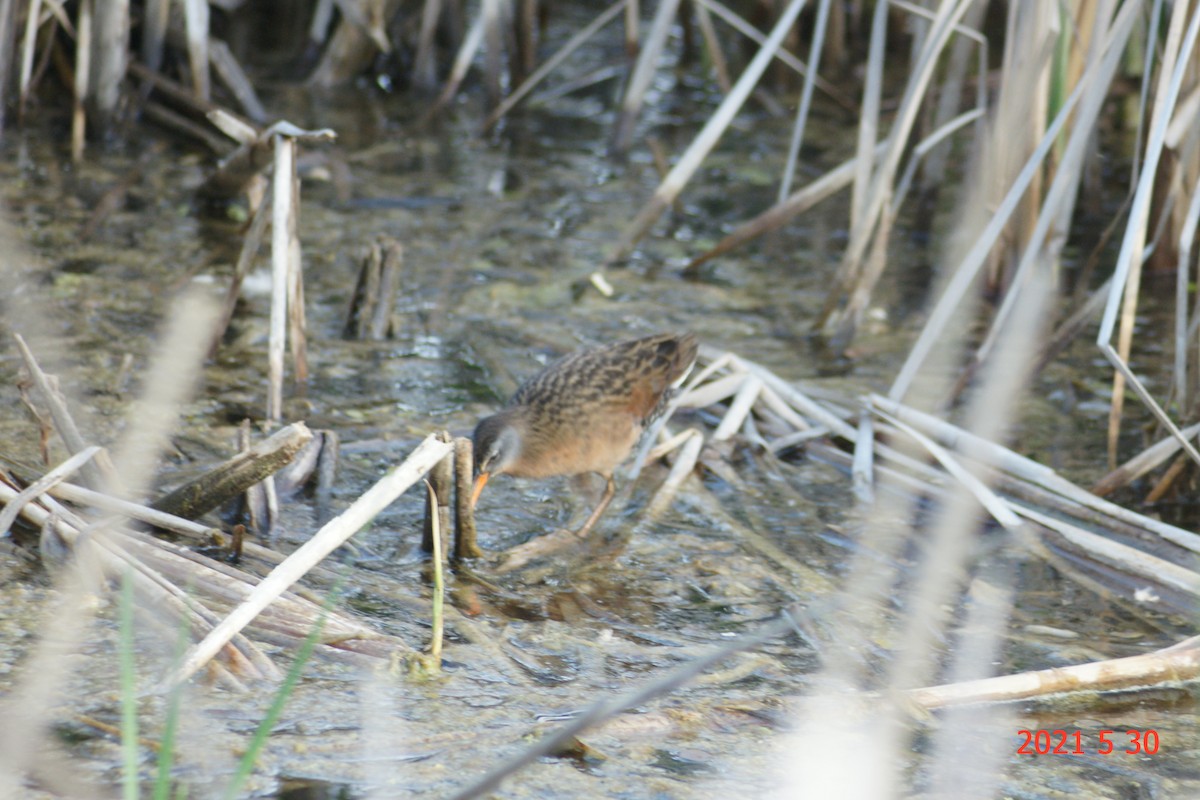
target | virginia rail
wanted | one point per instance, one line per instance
(584, 413)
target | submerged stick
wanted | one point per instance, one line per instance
(226, 481)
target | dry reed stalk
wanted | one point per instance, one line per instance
(83, 66)
(814, 61)
(79, 495)
(632, 15)
(42, 485)
(439, 548)
(466, 542)
(1166, 482)
(325, 541)
(462, 63)
(963, 276)
(1043, 246)
(111, 553)
(1142, 566)
(878, 728)
(785, 57)
(777, 215)
(1139, 576)
(873, 191)
(1025, 469)
(249, 249)
(951, 90)
(28, 50)
(684, 466)
(283, 235)
(493, 13)
(1122, 301)
(99, 474)
(707, 138)
(713, 46)
(236, 80)
(1142, 463)
(425, 61)
(574, 43)
(162, 568)
(110, 45)
(1170, 666)
(236, 475)
(8, 38)
(154, 34)
(643, 73)
(196, 19)
(361, 34)
(1183, 388)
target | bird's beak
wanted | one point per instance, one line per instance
(480, 481)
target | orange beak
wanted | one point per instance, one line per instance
(480, 482)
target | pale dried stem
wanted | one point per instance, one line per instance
(325, 541)
(196, 15)
(708, 136)
(643, 74)
(1179, 663)
(560, 55)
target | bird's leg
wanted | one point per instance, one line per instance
(610, 489)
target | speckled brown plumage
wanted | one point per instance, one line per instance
(584, 412)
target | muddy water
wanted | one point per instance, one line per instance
(499, 236)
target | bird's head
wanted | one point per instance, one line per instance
(497, 446)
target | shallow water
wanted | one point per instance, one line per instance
(489, 292)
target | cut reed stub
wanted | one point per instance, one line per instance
(370, 316)
(466, 544)
(441, 480)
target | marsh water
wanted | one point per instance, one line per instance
(500, 235)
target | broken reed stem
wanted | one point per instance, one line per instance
(425, 62)
(43, 484)
(462, 62)
(83, 62)
(281, 221)
(573, 44)
(255, 496)
(1180, 662)
(228, 480)
(250, 246)
(643, 75)
(438, 615)
(712, 131)
(196, 17)
(466, 543)
(437, 515)
(98, 473)
(325, 541)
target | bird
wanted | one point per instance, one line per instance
(584, 413)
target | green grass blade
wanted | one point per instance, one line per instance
(166, 750)
(276, 709)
